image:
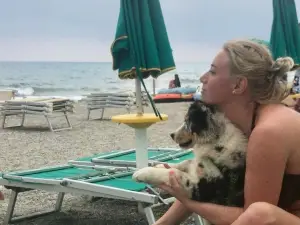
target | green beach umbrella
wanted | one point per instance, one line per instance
(141, 47)
(285, 35)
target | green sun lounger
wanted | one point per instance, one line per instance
(106, 175)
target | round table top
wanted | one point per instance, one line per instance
(139, 120)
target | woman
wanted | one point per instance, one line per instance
(175, 83)
(247, 85)
(1, 196)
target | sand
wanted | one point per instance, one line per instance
(35, 146)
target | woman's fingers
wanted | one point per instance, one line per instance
(173, 180)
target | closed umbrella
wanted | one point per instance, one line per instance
(285, 34)
(141, 49)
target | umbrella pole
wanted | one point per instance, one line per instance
(153, 84)
(141, 150)
(138, 93)
(140, 122)
(140, 133)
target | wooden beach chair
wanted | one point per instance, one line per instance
(105, 175)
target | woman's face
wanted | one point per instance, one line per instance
(217, 83)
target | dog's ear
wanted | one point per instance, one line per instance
(197, 116)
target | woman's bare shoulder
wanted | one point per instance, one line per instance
(278, 117)
(278, 123)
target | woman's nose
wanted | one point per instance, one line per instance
(203, 78)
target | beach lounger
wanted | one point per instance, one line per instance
(47, 107)
(101, 101)
(6, 95)
(90, 176)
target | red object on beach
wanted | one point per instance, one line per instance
(187, 96)
(172, 97)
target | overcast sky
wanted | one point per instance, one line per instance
(82, 30)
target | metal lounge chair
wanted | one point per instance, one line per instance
(47, 107)
(101, 101)
(104, 175)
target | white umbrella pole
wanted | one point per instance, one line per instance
(153, 86)
(140, 133)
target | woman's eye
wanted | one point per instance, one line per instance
(212, 72)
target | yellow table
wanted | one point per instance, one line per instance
(294, 96)
(140, 122)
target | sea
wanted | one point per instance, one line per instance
(75, 80)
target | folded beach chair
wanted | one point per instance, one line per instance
(6, 95)
(90, 176)
(101, 101)
(47, 107)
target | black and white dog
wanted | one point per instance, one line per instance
(217, 172)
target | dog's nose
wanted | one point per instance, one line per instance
(172, 135)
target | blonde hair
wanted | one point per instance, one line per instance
(267, 79)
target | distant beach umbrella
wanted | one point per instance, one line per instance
(141, 47)
(285, 34)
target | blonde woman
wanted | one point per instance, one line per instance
(248, 86)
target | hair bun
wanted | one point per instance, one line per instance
(281, 66)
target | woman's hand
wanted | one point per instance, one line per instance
(175, 188)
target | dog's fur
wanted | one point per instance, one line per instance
(216, 174)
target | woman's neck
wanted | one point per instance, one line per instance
(240, 114)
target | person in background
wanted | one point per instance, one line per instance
(1, 196)
(293, 103)
(175, 83)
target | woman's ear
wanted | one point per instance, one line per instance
(240, 85)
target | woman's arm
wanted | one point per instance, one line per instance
(215, 214)
(267, 157)
(266, 161)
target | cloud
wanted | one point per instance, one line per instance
(56, 49)
(84, 29)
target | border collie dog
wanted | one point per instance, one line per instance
(216, 174)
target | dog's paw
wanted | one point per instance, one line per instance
(148, 175)
(143, 175)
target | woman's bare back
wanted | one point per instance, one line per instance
(288, 121)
